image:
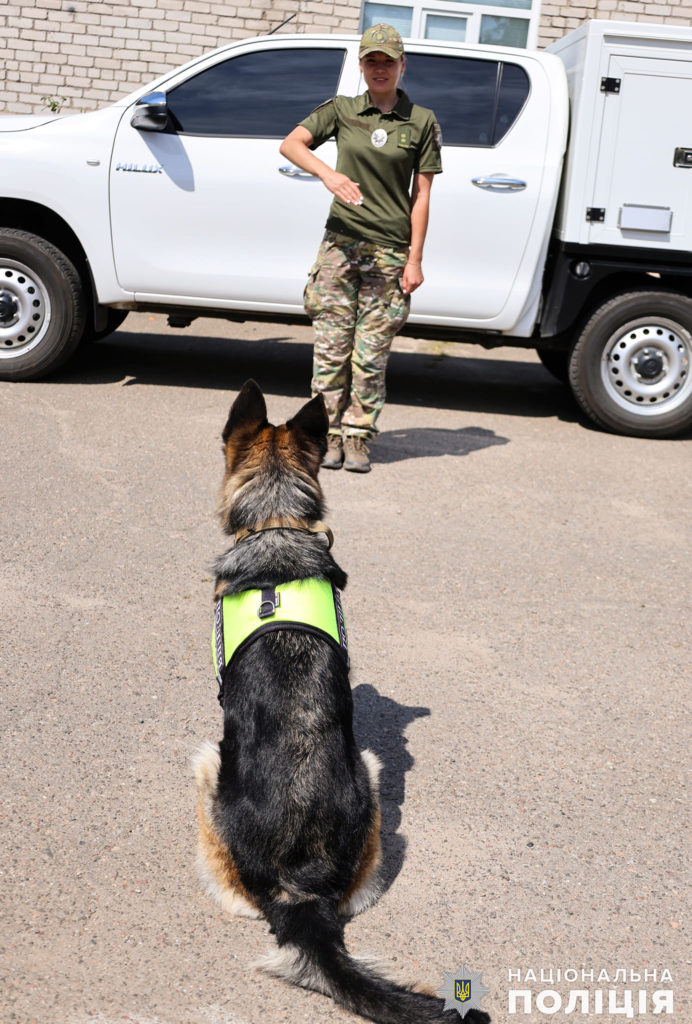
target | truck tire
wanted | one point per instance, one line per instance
(631, 367)
(42, 306)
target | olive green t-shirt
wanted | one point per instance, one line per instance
(380, 152)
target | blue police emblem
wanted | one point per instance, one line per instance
(462, 989)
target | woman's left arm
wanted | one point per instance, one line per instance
(412, 276)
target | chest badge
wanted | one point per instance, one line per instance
(403, 138)
(378, 138)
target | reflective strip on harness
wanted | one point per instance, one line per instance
(309, 605)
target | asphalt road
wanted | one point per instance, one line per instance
(520, 632)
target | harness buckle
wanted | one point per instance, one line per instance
(270, 602)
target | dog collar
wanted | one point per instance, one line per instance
(285, 523)
(309, 606)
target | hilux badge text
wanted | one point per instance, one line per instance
(144, 169)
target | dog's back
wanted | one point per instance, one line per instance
(288, 806)
(293, 794)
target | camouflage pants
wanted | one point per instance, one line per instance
(356, 304)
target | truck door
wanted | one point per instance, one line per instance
(646, 195)
(200, 211)
(503, 131)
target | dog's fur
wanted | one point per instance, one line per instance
(288, 807)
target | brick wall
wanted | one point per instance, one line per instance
(558, 18)
(84, 53)
(88, 53)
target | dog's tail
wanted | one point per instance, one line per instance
(312, 954)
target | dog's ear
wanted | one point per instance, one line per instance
(248, 412)
(311, 420)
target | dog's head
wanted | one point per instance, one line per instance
(271, 471)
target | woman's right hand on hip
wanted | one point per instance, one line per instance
(343, 188)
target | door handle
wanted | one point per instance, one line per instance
(499, 183)
(295, 172)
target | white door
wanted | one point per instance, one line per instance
(637, 182)
(491, 206)
(201, 211)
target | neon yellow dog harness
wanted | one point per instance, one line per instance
(308, 606)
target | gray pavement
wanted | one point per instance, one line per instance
(520, 630)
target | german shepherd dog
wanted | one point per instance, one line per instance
(288, 806)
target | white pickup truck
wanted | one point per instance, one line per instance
(562, 221)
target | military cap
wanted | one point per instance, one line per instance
(381, 38)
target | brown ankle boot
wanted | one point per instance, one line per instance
(357, 455)
(335, 452)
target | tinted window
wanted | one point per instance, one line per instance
(256, 95)
(514, 88)
(475, 101)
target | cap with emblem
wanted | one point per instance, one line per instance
(381, 38)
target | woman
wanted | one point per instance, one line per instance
(370, 260)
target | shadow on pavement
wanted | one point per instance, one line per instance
(419, 442)
(379, 725)
(495, 385)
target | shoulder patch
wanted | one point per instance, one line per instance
(437, 136)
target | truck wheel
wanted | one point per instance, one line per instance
(42, 308)
(631, 367)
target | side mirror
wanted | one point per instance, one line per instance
(151, 113)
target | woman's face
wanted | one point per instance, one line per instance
(381, 73)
